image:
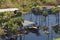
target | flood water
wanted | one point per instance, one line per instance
(40, 21)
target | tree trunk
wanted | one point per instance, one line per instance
(48, 20)
(56, 18)
(24, 37)
(36, 19)
(58, 23)
(45, 20)
(51, 35)
(31, 17)
(39, 20)
(20, 37)
(48, 36)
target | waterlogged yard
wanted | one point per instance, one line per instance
(36, 25)
(50, 22)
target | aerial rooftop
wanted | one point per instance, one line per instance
(27, 23)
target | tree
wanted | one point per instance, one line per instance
(55, 11)
(10, 23)
(36, 12)
(45, 14)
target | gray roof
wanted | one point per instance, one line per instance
(8, 9)
(27, 23)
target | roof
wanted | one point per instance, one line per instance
(27, 23)
(8, 9)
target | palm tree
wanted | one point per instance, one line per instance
(45, 14)
(36, 12)
(48, 20)
(55, 11)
